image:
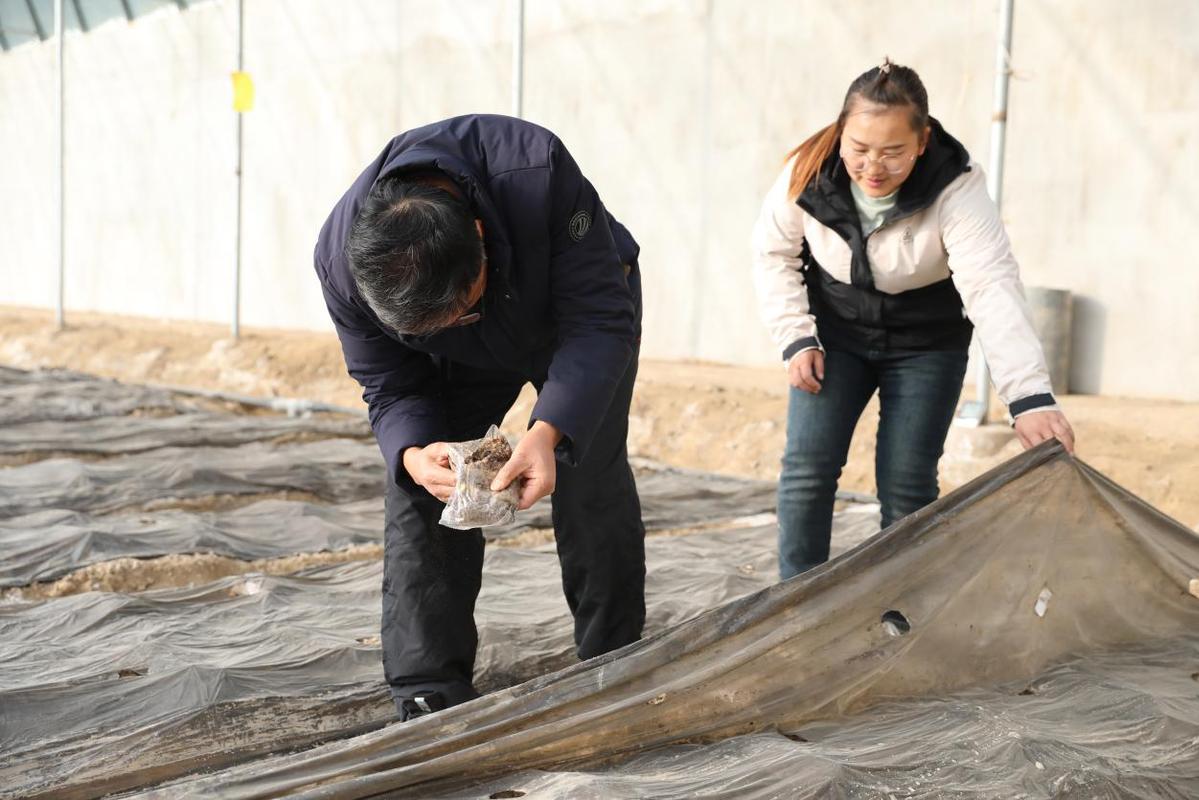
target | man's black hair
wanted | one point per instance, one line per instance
(414, 252)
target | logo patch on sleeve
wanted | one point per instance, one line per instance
(580, 223)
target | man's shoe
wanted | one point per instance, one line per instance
(420, 704)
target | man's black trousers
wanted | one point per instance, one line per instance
(431, 574)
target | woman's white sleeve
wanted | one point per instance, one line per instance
(782, 295)
(987, 277)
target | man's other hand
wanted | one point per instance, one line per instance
(430, 467)
(532, 462)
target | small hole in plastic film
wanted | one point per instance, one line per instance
(895, 623)
(1043, 601)
(506, 793)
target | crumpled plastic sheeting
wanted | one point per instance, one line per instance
(104, 691)
(678, 498)
(53, 395)
(134, 434)
(66, 506)
(671, 497)
(1037, 561)
(96, 686)
(48, 544)
(336, 470)
(522, 591)
(1115, 725)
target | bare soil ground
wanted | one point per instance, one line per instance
(173, 571)
(703, 416)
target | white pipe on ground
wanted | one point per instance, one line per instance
(291, 406)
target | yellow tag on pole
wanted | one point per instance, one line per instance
(243, 91)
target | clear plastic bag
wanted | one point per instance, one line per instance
(475, 464)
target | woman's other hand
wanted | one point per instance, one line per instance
(1035, 427)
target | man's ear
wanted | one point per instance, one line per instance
(479, 227)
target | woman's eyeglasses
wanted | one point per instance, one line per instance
(892, 165)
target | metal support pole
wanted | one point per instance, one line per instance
(518, 61)
(60, 125)
(241, 26)
(700, 282)
(975, 413)
(1003, 72)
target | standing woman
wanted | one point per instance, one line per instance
(876, 254)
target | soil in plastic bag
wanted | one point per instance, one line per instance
(475, 464)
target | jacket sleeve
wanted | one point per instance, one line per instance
(399, 384)
(777, 240)
(592, 306)
(988, 278)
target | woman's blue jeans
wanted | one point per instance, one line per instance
(918, 393)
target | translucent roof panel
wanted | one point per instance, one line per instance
(23, 21)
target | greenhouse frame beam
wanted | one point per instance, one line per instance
(37, 21)
(78, 5)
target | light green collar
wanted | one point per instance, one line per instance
(871, 210)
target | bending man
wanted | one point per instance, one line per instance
(473, 256)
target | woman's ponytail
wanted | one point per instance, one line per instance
(810, 155)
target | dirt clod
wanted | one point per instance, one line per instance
(491, 455)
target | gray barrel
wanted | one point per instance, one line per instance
(1053, 316)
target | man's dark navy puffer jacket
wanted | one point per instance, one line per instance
(558, 308)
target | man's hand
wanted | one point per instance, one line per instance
(1035, 427)
(430, 468)
(532, 460)
(805, 371)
